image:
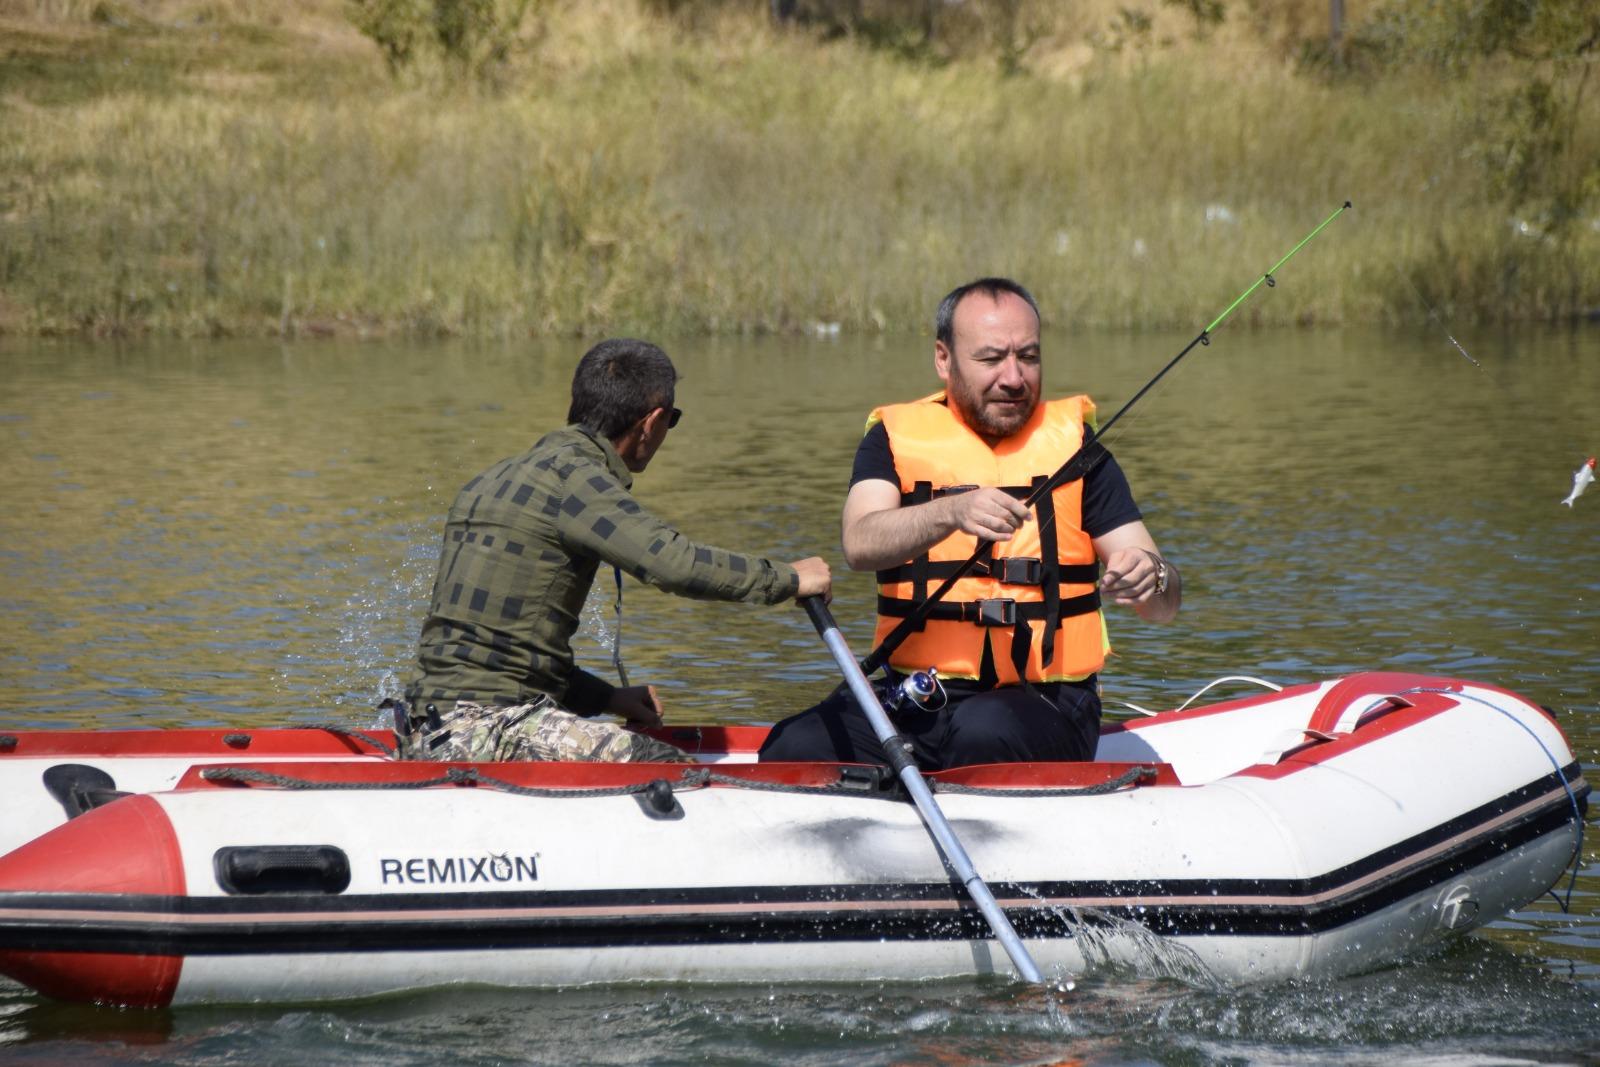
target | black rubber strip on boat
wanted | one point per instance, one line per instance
(789, 914)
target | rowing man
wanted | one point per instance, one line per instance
(1019, 643)
(522, 544)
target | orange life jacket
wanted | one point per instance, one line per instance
(1043, 591)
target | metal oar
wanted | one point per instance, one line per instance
(897, 750)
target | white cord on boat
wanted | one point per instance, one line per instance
(1135, 707)
(1203, 689)
(1232, 678)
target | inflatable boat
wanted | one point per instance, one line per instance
(1318, 830)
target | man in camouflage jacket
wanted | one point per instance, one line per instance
(522, 544)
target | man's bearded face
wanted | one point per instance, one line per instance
(992, 368)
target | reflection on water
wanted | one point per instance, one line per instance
(1475, 1004)
(240, 533)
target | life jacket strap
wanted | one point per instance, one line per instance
(919, 495)
(918, 575)
(1080, 465)
(1012, 570)
(995, 611)
(1052, 590)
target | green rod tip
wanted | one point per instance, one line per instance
(1347, 203)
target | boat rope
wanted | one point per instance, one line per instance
(1577, 815)
(459, 776)
(346, 731)
(251, 776)
(1120, 782)
(471, 776)
(690, 779)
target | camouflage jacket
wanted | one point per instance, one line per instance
(521, 546)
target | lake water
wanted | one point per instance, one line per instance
(232, 534)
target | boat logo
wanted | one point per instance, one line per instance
(459, 870)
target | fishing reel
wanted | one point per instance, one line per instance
(917, 691)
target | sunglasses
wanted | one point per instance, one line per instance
(672, 419)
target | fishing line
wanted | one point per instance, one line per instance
(1435, 316)
(1432, 313)
(1089, 454)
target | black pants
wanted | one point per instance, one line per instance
(1052, 721)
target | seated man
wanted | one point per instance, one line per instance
(522, 543)
(1017, 643)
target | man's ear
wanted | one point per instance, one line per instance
(941, 361)
(652, 421)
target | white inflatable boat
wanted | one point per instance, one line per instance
(1316, 831)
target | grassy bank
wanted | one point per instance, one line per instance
(217, 168)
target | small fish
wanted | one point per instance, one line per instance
(1580, 481)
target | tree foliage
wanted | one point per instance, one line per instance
(474, 37)
(937, 30)
(1538, 143)
(1454, 35)
(1207, 14)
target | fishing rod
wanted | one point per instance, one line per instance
(1080, 463)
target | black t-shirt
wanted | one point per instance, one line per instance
(1107, 500)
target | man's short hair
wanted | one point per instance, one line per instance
(617, 383)
(944, 319)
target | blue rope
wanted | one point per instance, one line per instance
(1577, 815)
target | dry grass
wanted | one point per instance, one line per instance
(232, 167)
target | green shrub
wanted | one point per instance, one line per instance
(471, 36)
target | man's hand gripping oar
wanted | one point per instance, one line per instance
(898, 752)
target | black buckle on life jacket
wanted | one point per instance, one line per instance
(999, 611)
(1018, 570)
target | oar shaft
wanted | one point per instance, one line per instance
(921, 795)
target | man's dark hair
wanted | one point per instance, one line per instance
(944, 319)
(617, 383)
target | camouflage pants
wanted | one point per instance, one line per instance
(473, 733)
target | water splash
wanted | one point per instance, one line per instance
(1116, 946)
(597, 613)
(1110, 943)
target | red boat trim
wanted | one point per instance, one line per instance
(253, 744)
(1318, 751)
(734, 740)
(1332, 704)
(583, 776)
